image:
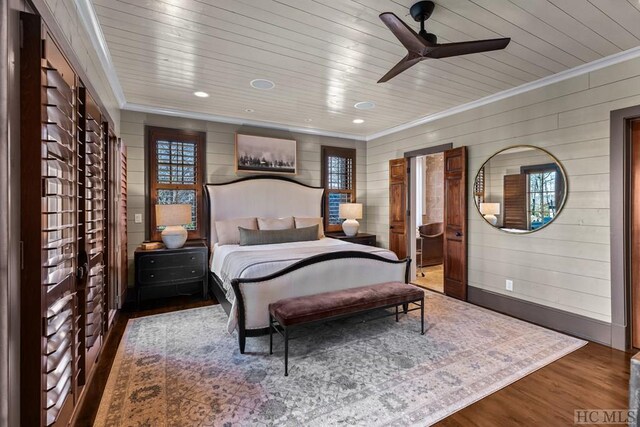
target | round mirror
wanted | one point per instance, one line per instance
(520, 189)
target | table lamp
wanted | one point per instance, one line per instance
(173, 217)
(350, 212)
(489, 211)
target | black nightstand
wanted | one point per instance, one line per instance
(360, 238)
(181, 269)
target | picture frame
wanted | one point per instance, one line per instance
(265, 155)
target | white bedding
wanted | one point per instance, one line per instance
(287, 254)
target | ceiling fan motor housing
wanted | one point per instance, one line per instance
(422, 10)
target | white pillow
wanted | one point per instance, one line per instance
(302, 222)
(275, 223)
(228, 231)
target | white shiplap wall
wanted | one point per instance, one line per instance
(220, 159)
(566, 265)
(67, 17)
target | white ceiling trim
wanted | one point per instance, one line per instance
(90, 22)
(536, 84)
(236, 121)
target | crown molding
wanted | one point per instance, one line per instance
(237, 121)
(598, 64)
(90, 22)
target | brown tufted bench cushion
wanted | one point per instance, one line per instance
(298, 310)
(330, 305)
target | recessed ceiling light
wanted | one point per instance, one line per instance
(201, 94)
(262, 84)
(365, 105)
(358, 121)
(249, 110)
(308, 120)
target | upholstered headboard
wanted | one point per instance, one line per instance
(261, 196)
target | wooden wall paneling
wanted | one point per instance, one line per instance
(49, 313)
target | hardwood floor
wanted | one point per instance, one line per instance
(593, 377)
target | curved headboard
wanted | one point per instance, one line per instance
(260, 196)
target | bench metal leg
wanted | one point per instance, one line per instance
(270, 334)
(396, 313)
(422, 317)
(286, 351)
(405, 307)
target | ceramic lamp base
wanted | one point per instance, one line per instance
(492, 219)
(174, 236)
(350, 227)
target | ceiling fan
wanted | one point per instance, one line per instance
(425, 45)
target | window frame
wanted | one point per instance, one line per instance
(155, 134)
(327, 151)
(538, 169)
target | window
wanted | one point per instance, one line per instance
(176, 175)
(543, 193)
(338, 175)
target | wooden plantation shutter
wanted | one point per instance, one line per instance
(515, 202)
(50, 324)
(338, 176)
(177, 169)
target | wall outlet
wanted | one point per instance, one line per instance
(138, 218)
(509, 285)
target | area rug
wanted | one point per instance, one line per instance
(184, 369)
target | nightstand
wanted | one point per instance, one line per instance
(360, 238)
(160, 269)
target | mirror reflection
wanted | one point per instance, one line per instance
(520, 189)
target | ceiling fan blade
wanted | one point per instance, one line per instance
(464, 48)
(405, 63)
(409, 38)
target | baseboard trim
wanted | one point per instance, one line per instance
(552, 318)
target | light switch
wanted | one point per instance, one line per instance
(138, 219)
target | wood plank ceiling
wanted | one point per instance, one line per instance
(326, 55)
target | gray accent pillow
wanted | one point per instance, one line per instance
(266, 237)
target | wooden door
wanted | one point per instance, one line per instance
(515, 202)
(455, 223)
(635, 233)
(398, 176)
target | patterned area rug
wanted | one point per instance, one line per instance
(184, 369)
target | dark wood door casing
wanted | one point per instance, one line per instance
(455, 223)
(635, 233)
(398, 176)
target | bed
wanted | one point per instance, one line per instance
(245, 279)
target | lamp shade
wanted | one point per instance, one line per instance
(490, 208)
(173, 214)
(350, 210)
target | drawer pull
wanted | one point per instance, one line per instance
(192, 258)
(152, 275)
(153, 261)
(193, 271)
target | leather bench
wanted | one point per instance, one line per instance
(297, 311)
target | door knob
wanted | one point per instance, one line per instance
(458, 234)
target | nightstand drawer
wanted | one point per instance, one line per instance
(169, 275)
(188, 259)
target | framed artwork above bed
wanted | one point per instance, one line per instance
(260, 154)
